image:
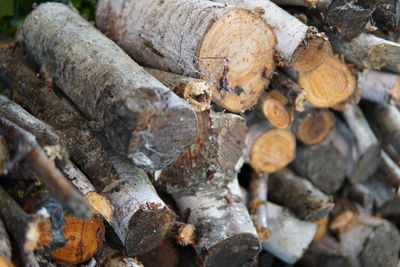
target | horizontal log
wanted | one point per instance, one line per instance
(142, 119)
(207, 47)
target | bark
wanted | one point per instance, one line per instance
(39, 199)
(303, 47)
(322, 228)
(30, 232)
(142, 119)
(368, 51)
(290, 236)
(107, 256)
(366, 148)
(299, 195)
(4, 154)
(329, 84)
(84, 237)
(258, 205)
(267, 149)
(313, 126)
(389, 170)
(55, 145)
(196, 92)
(165, 255)
(385, 122)
(5, 247)
(386, 13)
(225, 233)
(198, 39)
(305, 3)
(323, 165)
(380, 87)
(29, 149)
(212, 160)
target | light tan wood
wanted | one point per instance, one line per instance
(277, 109)
(322, 228)
(100, 204)
(329, 84)
(4, 262)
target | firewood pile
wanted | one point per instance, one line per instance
(202, 133)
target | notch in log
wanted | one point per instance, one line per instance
(209, 47)
(142, 119)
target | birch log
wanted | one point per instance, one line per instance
(143, 119)
(303, 47)
(258, 205)
(230, 47)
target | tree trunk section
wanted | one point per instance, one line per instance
(258, 205)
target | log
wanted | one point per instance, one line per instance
(277, 109)
(299, 195)
(184, 234)
(51, 140)
(225, 233)
(290, 236)
(30, 150)
(84, 237)
(30, 232)
(389, 170)
(323, 165)
(108, 256)
(87, 151)
(258, 205)
(385, 14)
(329, 84)
(267, 149)
(368, 51)
(207, 47)
(322, 228)
(380, 87)
(165, 255)
(385, 122)
(142, 119)
(4, 154)
(303, 47)
(39, 199)
(196, 92)
(367, 147)
(313, 125)
(212, 160)
(5, 247)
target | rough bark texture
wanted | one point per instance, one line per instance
(301, 46)
(298, 194)
(386, 13)
(323, 165)
(313, 126)
(329, 84)
(258, 205)
(143, 119)
(212, 160)
(368, 51)
(306, 3)
(196, 92)
(366, 147)
(267, 149)
(165, 255)
(380, 87)
(4, 154)
(230, 47)
(5, 247)
(385, 122)
(225, 233)
(290, 236)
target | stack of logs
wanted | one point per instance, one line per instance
(107, 162)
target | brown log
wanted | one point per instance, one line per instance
(268, 149)
(30, 150)
(366, 148)
(386, 13)
(290, 236)
(165, 255)
(299, 195)
(329, 84)
(225, 234)
(87, 151)
(302, 47)
(313, 125)
(30, 232)
(142, 119)
(84, 237)
(209, 47)
(5, 247)
(196, 92)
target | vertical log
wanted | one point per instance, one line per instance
(142, 119)
(208, 46)
(258, 205)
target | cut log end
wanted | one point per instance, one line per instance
(273, 150)
(367, 165)
(84, 237)
(239, 78)
(263, 232)
(311, 54)
(198, 94)
(186, 235)
(147, 228)
(234, 251)
(315, 126)
(101, 204)
(329, 84)
(5, 262)
(275, 108)
(394, 94)
(39, 233)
